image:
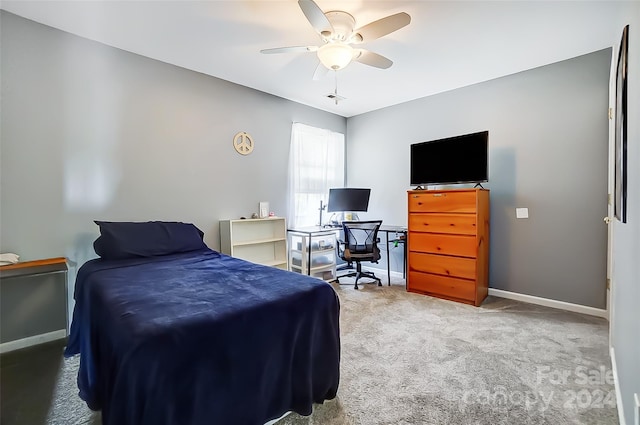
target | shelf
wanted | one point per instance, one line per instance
(323, 267)
(326, 274)
(261, 241)
(275, 263)
(258, 241)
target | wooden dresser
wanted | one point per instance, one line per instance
(448, 244)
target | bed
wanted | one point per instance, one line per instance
(172, 332)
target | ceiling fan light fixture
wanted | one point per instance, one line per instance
(338, 31)
(335, 56)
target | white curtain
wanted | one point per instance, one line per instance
(316, 164)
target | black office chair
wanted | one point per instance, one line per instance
(360, 244)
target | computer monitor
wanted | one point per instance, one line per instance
(348, 199)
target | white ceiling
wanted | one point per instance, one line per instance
(447, 45)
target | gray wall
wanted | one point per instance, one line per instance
(92, 132)
(625, 319)
(548, 136)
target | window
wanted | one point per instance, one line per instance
(316, 164)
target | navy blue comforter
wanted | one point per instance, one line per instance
(202, 338)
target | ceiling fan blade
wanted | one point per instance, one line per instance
(320, 72)
(315, 16)
(372, 59)
(294, 49)
(381, 27)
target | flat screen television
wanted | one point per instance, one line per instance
(347, 199)
(459, 159)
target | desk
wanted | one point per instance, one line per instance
(400, 233)
(400, 237)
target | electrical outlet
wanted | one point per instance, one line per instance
(522, 212)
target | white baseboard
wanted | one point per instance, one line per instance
(576, 308)
(562, 305)
(382, 272)
(5, 347)
(614, 369)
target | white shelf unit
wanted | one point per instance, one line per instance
(322, 254)
(261, 240)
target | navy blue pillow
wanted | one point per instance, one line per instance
(120, 240)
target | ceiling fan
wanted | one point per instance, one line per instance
(338, 33)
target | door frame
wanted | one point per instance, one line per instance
(610, 218)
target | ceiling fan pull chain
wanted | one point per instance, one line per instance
(335, 74)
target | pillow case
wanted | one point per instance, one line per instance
(123, 239)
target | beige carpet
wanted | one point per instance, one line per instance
(413, 359)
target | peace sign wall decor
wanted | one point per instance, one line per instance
(243, 143)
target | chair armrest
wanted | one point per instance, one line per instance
(340, 249)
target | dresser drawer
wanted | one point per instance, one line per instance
(445, 201)
(442, 265)
(459, 224)
(458, 245)
(449, 287)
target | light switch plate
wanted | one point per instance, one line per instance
(522, 212)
